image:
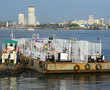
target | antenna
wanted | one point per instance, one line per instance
(100, 42)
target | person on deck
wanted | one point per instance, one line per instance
(98, 57)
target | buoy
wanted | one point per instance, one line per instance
(76, 68)
(87, 67)
(98, 67)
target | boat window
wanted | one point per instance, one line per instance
(11, 44)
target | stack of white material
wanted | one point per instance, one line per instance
(60, 44)
(78, 51)
(93, 48)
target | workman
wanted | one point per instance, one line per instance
(38, 59)
(98, 56)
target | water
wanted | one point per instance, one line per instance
(34, 81)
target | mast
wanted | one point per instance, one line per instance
(100, 45)
(12, 35)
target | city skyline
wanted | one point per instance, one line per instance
(55, 11)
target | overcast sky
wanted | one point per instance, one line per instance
(55, 10)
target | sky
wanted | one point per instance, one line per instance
(55, 10)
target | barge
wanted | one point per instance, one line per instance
(52, 55)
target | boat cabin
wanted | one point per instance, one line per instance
(9, 51)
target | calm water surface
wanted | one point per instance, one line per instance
(29, 80)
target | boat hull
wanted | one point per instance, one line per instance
(10, 70)
(69, 67)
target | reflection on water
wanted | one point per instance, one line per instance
(36, 81)
(80, 82)
(8, 83)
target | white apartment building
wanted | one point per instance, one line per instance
(100, 21)
(31, 16)
(21, 19)
(91, 20)
(79, 22)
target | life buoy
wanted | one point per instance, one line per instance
(76, 68)
(98, 67)
(87, 66)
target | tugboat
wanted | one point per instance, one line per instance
(10, 63)
(9, 53)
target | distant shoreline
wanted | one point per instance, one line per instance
(10, 28)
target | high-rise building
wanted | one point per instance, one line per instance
(21, 19)
(31, 16)
(91, 20)
(100, 21)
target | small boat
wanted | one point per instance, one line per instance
(10, 63)
(9, 53)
